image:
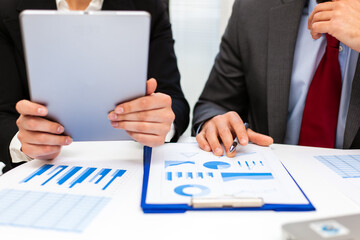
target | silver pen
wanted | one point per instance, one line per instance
(236, 141)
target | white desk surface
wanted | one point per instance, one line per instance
(125, 220)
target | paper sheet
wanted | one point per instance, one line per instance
(61, 195)
(339, 167)
(180, 172)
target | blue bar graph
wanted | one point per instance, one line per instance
(251, 164)
(61, 168)
(38, 172)
(68, 175)
(169, 176)
(78, 177)
(51, 171)
(117, 174)
(250, 176)
(247, 164)
(102, 174)
(82, 177)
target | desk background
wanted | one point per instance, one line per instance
(198, 27)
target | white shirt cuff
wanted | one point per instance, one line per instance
(171, 133)
(2, 165)
(16, 154)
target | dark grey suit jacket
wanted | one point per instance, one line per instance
(252, 72)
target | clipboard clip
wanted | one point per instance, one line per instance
(226, 202)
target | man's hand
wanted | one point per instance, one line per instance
(340, 19)
(147, 119)
(223, 128)
(40, 138)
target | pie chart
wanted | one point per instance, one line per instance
(217, 165)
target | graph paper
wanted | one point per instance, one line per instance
(46, 210)
(346, 166)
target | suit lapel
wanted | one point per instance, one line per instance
(353, 117)
(283, 29)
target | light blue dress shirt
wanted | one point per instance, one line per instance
(308, 54)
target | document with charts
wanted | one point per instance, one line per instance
(179, 173)
(65, 195)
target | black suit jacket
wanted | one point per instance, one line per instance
(13, 80)
(252, 73)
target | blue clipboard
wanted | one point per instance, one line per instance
(181, 208)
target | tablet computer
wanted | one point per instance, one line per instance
(82, 64)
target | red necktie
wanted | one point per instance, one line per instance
(319, 122)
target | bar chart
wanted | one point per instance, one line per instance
(246, 166)
(346, 166)
(74, 176)
(47, 210)
(171, 176)
(191, 178)
(251, 165)
(250, 176)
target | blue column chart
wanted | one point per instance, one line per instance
(346, 166)
(250, 176)
(50, 211)
(171, 176)
(74, 176)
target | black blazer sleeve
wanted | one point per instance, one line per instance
(12, 73)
